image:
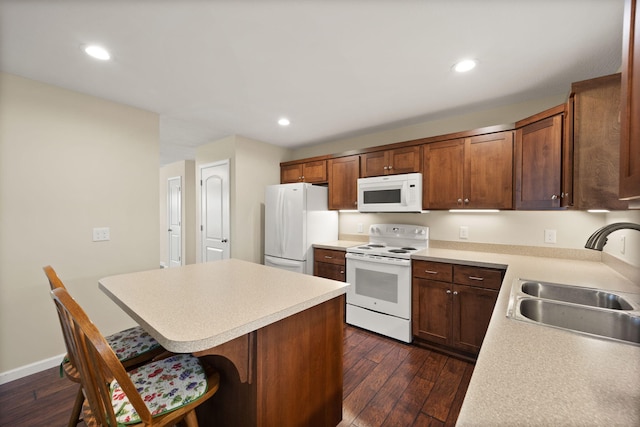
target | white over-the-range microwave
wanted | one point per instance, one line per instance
(390, 193)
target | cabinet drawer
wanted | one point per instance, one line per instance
(329, 256)
(433, 270)
(477, 276)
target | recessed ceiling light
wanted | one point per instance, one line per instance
(465, 65)
(284, 122)
(98, 52)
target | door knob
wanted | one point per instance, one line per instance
(224, 240)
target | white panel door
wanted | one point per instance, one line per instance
(174, 219)
(214, 183)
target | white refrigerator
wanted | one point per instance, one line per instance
(296, 216)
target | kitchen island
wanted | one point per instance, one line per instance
(275, 336)
(533, 375)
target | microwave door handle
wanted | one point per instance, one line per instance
(405, 190)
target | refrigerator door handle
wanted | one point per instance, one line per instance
(280, 225)
(285, 221)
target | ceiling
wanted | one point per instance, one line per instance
(334, 68)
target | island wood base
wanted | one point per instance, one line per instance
(288, 373)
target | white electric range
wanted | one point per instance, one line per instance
(379, 298)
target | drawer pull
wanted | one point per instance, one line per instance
(431, 272)
(341, 271)
(476, 278)
(448, 291)
(328, 257)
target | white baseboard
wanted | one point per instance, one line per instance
(30, 369)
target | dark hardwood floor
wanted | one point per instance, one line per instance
(386, 383)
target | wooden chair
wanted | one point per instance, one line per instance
(133, 346)
(170, 388)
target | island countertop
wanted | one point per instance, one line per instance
(199, 306)
(530, 375)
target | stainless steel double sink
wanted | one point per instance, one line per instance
(606, 314)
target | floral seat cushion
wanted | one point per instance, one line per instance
(131, 343)
(165, 385)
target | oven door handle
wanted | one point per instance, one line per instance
(379, 260)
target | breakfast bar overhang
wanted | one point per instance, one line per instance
(275, 336)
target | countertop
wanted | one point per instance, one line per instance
(338, 244)
(530, 375)
(533, 375)
(199, 306)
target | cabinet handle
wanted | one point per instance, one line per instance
(341, 271)
(554, 197)
(328, 257)
(459, 201)
(476, 278)
(448, 291)
(385, 167)
(466, 201)
(431, 272)
(455, 293)
(390, 167)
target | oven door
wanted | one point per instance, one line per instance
(380, 284)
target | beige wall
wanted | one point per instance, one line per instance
(69, 162)
(257, 165)
(252, 166)
(185, 169)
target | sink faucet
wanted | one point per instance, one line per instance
(599, 238)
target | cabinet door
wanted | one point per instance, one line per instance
(538, 164)
(442, 174)
(472, 309)
(596, 141)
(314, 172)
(343, 182)
(432, 310)
(291, 173)
(630, 114)
(488, 171)
(374, 164)
(404, 160)
(329, 271)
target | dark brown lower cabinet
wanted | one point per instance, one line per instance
(452, 305)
